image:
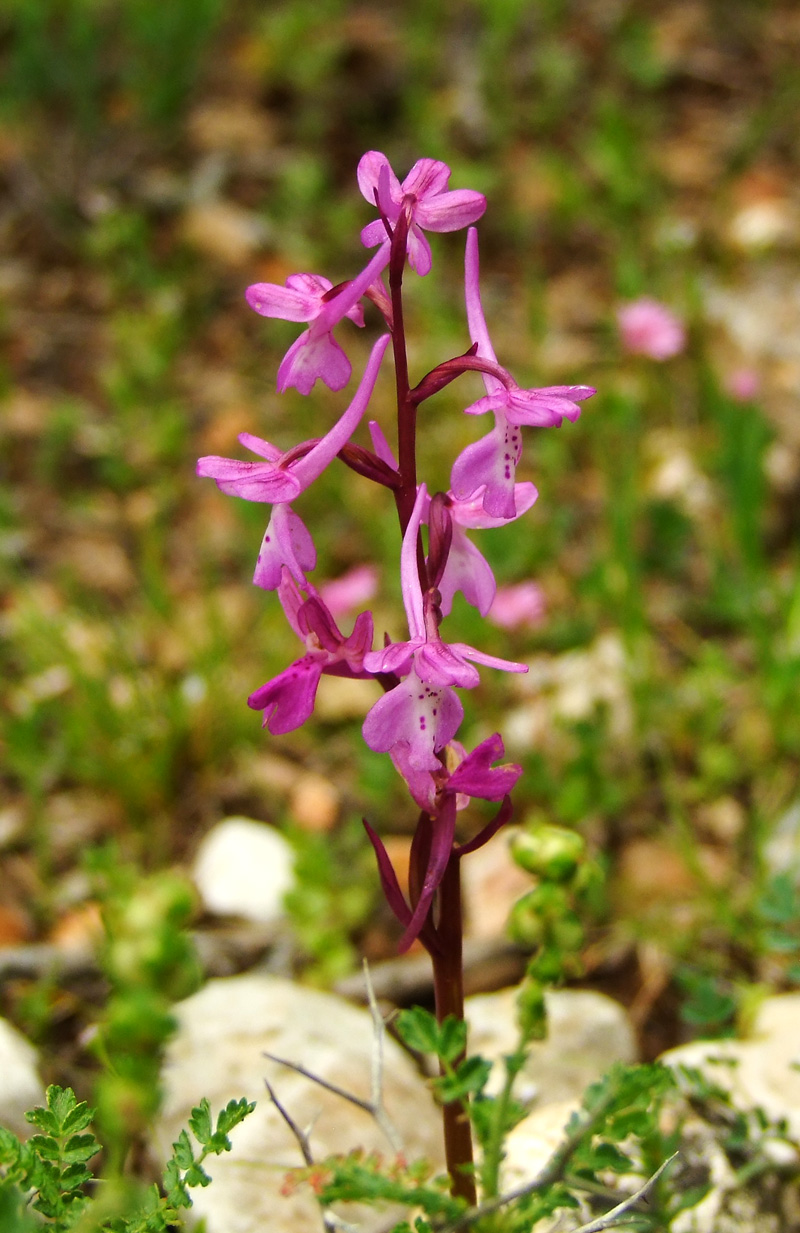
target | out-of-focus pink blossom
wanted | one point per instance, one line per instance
(743, 384)
(650, 328)
(350, 591)
(517, 606)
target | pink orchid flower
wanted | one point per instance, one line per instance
(475, 777)
(425, 194)
(288, 699)
(422, 709)
(307, 297)
(492, 461)
(467, 569)
(281, 477)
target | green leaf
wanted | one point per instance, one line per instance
(182, 1151)
(470, 1077)
(46, 1147)
(234, 1112)
(607, 1156)
(80, 1148)
(10, 1147)
(452, 1039)
(77, 1119)
(200, 1122)
(44, 1119)
(61, 1101)
(196, 1175)
(174, 1186)
(418, 1029)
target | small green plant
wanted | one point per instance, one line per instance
(48, 1174)
(149, 961)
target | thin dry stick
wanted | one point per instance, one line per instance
(379, 1032)
(374, 1106)
(610, 1218)
(331, 1222)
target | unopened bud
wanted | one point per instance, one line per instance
(550, 852)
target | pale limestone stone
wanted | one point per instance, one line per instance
(761, 1072)
(218, 1052)
(244, 868)
(587, 1033)
(20, 1086)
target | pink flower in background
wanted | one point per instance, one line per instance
(351, 590)
(650, 328)
(518, 606)
(743, 384)
(433, 207)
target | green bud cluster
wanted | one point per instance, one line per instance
(545, 920)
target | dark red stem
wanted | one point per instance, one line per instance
(448, 982)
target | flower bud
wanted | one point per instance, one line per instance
(531, 1010)
(550, 852)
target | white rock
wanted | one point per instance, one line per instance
(20, 1086)
(587, 1033)
(218, 1052)
(762, 1072)
(244, 868)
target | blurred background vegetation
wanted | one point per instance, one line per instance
(155, 159)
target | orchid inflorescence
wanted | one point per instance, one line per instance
(419, 713)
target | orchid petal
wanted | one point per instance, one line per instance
(475, 318)
(258, 446)
(308, 468)
(285, 303)
(475, 776)
(451, 211)
(409, 573)
(468, 571)
(368, 174)
(311, 358)
(340, 305)
(414, 712)
(489, 661)
(288, 699)
(419, 251)
(470, 512)
(491, 462)
(438, 664)
(427, 178)
(287, 542)
(381, 445)
(291, 600)
(252, 481)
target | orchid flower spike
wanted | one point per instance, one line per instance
(312, 298)
(283, 476)
(424, 193)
